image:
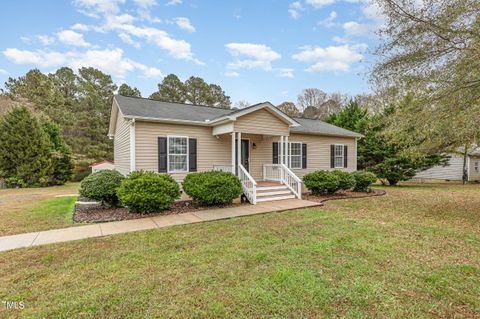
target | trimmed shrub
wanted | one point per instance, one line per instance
(345, 180)
(321, 182)
(363, 181)
(214, 187)
(148, 192)
(102, 186)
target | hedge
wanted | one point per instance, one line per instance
(213, 187)
(102, 186)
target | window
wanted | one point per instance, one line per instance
(339, 156)
(177, 154)
(477, 166)
(295, 149)
(295, 155)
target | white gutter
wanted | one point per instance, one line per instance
(132, 145)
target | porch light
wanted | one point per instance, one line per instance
(254, 146)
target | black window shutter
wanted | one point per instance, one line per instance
(332, 156)
(345, 156)
(275, 153)
(162, 154)
(304, 156)
(192, 154)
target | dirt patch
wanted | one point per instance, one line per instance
(343, 195)
(99, 213)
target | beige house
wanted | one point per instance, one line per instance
(269, 151)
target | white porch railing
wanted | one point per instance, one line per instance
(248, 184)
(272, 172)
(292, 181)
(281, 173)
(223, 168)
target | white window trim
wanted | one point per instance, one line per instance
(290, 154)
(335, 156)
(301, 154)
(168, 154)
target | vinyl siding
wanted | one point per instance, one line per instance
(473, 174)
(210, 150)
(121, 145)
(261, 122)
(452, 172)
(318, 152)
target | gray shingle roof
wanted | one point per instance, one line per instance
(139, 107)
(146, 108)
(319, 127)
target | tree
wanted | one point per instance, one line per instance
(61, 155)
(289, 108)
(170, 90)
(374, 152)
(431, 48)
(95, 102)
(316, 104)
(242, 104)
(195, 91)
(25, 148)
(127, 90)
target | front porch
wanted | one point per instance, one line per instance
(252, 160)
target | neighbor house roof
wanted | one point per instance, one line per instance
(141, 108)
(100, 163)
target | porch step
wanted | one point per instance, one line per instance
(273, 198)
(269, 188)
(279, 192)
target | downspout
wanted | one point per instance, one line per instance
(132, 146)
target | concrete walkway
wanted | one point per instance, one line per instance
(125, 226)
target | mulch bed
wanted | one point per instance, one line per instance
(99, 213)
(343, 195)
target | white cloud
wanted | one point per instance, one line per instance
(294, 9)
(232, 74)
(110, 61)
(354, 28)
(184, 23)
(251, 56)
(96, 8)
(45, 39)
(73, 38)
(3, 71)
(128, 40)
(145, 3)
(330, 21)
(285, 73)
(332, 58)
(173, 2)
(80, 27)
(152, 73)
(319, 3)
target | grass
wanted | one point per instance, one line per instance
(35, 209)
(414, 253)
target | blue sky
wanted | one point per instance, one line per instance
(256, 50)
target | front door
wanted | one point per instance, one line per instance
(245, 154)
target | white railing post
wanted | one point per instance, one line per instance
(299, 185)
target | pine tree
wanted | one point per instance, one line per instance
(127, 90)
(25, 148)
(61, 156)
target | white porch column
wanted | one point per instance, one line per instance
(281, 150)
(239, 147)
(287, 152)
(233, 153)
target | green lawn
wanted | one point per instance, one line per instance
(34, 209)
(414, 253)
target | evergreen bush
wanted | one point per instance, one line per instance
(213, 187)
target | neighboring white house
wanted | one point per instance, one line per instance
(454, 171)
(100, 166)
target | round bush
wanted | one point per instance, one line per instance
(345, 179)
(321, 182)
(363, 181)
(148, 192)
(214, 187)
(102, 186)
